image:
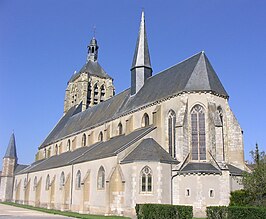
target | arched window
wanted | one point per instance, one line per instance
(47, 183)
(84, 140)
(171, 133)
(62, 180)
(78, 180)
(198, 133)
(146, 179)
(119, 129)
(68, 145)
(101, 178)
(100, 137)
(56, 150)
(96, 92)
(44, 152)
(102, 93)
(145, 120)
(35, 183)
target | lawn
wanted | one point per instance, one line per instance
(64, 213)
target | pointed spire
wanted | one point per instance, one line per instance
(11, 151)
(141, 65)
(142, 55)
(93, 50)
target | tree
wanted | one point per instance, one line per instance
(255, 182)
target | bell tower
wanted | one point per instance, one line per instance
(8, 172)
(91, 85)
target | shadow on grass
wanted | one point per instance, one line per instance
(63, 213)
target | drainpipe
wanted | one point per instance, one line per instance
(172, 177)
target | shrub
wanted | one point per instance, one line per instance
(240, 198)
(236, 212)
(159, 211)
(217, 212)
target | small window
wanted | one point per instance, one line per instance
(35, 183)
(101, 178)
(145, 120)
(119, 129)
(25, 182)
(100, 137)
(211, 193)
(44, 152)
(47, 183)
(62, 180)
(56, 149)
(187, 192)
(84, 140)
(68, 145)
(146, 179)
(78, 180)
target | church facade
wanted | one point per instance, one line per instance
(170, 138)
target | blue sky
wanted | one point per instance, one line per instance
(43, 42)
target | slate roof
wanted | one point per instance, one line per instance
(194, 74)
(234, 170)
(20, 167)
(11, 151)
(149, 150)
(199, 168)
(97, 151)
(92, 68)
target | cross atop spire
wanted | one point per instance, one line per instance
(11, 151)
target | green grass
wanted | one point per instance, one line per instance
(64, 213)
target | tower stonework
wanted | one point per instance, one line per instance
(9, 165)
(91, 85)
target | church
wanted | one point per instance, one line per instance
(170, 138)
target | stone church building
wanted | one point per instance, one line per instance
(170, 138)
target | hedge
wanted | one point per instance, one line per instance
(236, 212)
(159, 211)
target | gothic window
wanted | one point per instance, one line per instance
(119, 129)
(62, 180)
(171, 133)
(145, 120)
(146, 179)
(102, 93)
(56, 149)
(78, 180)
(47, 183)
(198, 133)
(84, 140)
(100, 137)
(44, 152)
(68, 145)
(101, 178)
(35, 183)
